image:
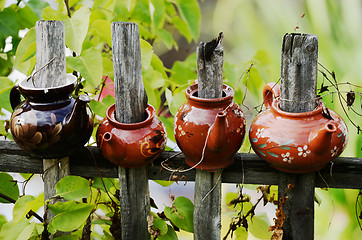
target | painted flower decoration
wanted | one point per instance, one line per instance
(287, 158)
(334, 151)
(259, 133)
(303, 151)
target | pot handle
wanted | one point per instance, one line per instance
(270, 91)
(15, 99)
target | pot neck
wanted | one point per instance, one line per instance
(276, 109)
(47, 95)
(224, 101)
(150, 112)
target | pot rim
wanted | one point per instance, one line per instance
(275, 108)
(227, 91)
(70, 80)
(150, 111)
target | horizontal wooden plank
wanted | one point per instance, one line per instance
(344, 172)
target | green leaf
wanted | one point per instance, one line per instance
(166, 38)
(76, 29)
(103, 29)
(26, 203)
(164, 183)
(171, 234)
(70, 215)
(181, 25)
(8, 22)
(190, 12)
(37, 6)
(184, 72)
(175, 99)
(100, 108)
(2, 220)
(27, 17)
(10, 230)
(8, 187)
(241, 233)
(32, 230)
(73, 188)
(26, 48)
(259, 226)
(159, 224)
(261, 145)
(181, 213)
(51, 14)
(146, 53)
(108, 183)
(89, 64)
(157, 12)
(157, 64)
(5, 87)
(254, 139)
(285, 148)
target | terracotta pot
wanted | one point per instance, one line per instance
(210, 130)
(296, 142)
(50, 123)
(133, 144)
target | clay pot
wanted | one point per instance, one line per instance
(209, 130)
(50, 123)
(131, 144)
(296, 142)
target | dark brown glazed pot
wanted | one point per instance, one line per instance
(131, 144)
(296, 142)
(50, 123)
(209, 131)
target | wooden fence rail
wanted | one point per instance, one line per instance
(344, 172)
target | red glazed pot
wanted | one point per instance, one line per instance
(134, 144)
(210, 128)
(296, 142)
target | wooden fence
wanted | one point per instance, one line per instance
(247, 169)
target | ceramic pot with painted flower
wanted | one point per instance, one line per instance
(296, 142)
(209, 131)
(50, 123)
(131, 144)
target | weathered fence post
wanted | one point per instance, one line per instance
(298, 93)
(50, 52)
(131, 102)
(207, 197)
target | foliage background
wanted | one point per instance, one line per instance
(253, 31)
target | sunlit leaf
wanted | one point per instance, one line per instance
(241, 233)
(181, 213)
(164, 183)
(51, 14)
(190, 12)
(32, 230)
(73, 188)
(9, 228)
(26, 50)
(8, 187)
(103, 29)
(89, 64)
(259, 226)
(100, 108)
(170, 235)
(103, 183)
(27, 17)
(146, 54)
(2, 220)
(69, 215)
(159, 224)
(76, 29)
